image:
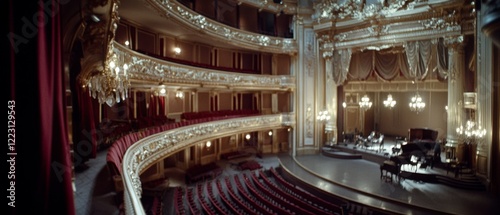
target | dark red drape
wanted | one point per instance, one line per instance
(152, 106)
(41, 155)
(85, 132)
(141, 104)
(161, 105)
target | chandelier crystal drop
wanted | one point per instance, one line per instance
(417, 104)
(111, 84)
(365, 103)
(389, 102)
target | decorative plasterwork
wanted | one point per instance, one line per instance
(424, 20)
(154, 148)
(144, 68)
(269, 5)
(101, 18)
(361, 10)
(393, 34)
(326, 46)
(178, 12)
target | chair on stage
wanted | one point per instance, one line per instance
(367, 142)
(379, 142)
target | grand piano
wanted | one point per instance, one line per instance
(420, 142)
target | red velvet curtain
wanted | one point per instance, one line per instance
(86, 138)
(41, 154)
(161, 105)
(152, 106)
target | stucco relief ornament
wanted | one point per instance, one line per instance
(358, 9)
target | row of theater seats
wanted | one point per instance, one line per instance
(111, 130)
(222, 113)
(117, 150)
(257, 194)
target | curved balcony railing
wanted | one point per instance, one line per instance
(142, 67)
(253, 41)
(285, 7)
(152, 149)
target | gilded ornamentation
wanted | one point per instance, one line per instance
(141, 67)
(196, 21)
(106, 80)
(156, 147)
(360, 10)
(326, 46)
(285, 7)
(309, 121)
(310, 56)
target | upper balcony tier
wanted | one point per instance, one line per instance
(175, 19)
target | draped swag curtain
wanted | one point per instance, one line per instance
(341, 60)
(417, 62)
(43, 173)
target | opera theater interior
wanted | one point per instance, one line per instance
(340, 107)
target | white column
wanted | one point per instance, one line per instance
(484, 93)
(330, 101)
(456, 80)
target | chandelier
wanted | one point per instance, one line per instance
(365, 103)
(416, 104)
(389, 102)
(323, 116)
(470, 132)
(110, 84)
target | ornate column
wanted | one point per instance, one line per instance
(456, 112)
(486, 113)
(305, 67)
(327, 47)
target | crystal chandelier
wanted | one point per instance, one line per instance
(110, 84)
(323, 116)
(365, 103)
(417, 104)
(470, 132)
(389, 102)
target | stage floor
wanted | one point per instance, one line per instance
(359, 180)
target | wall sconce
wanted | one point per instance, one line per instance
(208, 144)
(163, 92)
(247, 136)
(127, 43)
(179, 94)
(177, 50)
(270, 133)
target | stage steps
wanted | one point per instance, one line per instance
(335, 153)
(466, 180)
